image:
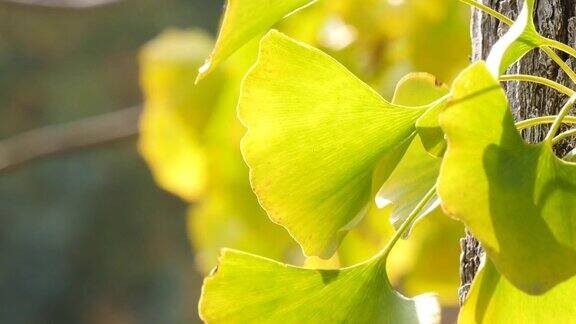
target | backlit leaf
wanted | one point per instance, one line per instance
(414, 176)
(493, 299)
(250, 289)
(521, 38)
(315, 134)
(243, 20)
(518, 199)
(427, 261)
(416, 173)
(422, 89)
(176, 111)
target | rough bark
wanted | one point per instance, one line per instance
(554, 19)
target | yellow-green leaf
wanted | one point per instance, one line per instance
(416, 173)
(417, 89)
(176, 111)
(518, 199)
(414, 176)
(493, 299)
(315, 134)
(521, 38)
(249, 289)
(244, 20)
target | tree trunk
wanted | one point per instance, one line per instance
(554, 19)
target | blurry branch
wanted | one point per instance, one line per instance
(61, 4)
(56, 139)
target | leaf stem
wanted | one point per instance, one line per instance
(560, 62)
(532, 78)
(561, 46)
(559, 119)
(383, 255)
(566, 134)
(543, 120)
(489, 11)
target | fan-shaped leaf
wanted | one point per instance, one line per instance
(249, 289)
(417, 89)
(243, 20)
(418, 170)
(493, 299)
(176, 111)
(414, 176)
(518, 199)
(521, 38)
(315, 135)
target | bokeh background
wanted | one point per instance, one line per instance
(89, 237)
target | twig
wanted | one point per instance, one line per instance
(57, 139)
(60, 4)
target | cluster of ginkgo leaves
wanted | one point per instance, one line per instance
(190, 134)
(324, 150)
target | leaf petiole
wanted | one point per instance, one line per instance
(571, 74)
(543, 120)
(532, 78)
(489, 11)
(559, 119)
(383, 255)
(566, 134)
(561, 46)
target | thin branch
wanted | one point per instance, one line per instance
(57, 139)
(60, 4)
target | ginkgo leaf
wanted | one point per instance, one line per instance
(176, 111)
(315, 134)
(493, 299)
(430, 132)
(414, 176)
(521, 38)
(249, 289)
(416, 173)
(427, 261)
(422, 89)
(418, 89)
(243, 20)
(518, 199)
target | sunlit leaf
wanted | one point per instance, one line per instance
(250, 289)
(315, 134)
(493, 299)
(414, 176)
(427, 261)
(418, 89)
(223, 220)
(228, 215)
(521, 38)
(421, 89)
(176, 111)
(321, 264)
(431, 134)
(518, 199)
(417, 172)
(243, 20)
